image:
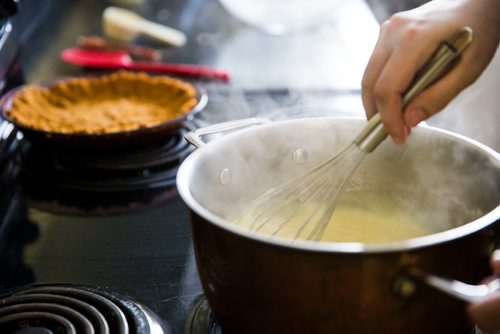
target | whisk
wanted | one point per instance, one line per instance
(302, 207)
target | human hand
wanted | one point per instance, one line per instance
(407, 40)
(486, 313)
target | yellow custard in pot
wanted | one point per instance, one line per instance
(377, 221)
(351, 224)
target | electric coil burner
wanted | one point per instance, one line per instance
(71, 309)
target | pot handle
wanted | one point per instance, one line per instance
(405, 286)
(194, 137)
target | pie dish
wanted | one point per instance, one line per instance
(104, 109)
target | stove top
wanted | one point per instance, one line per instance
(143, 253)
(113, 224)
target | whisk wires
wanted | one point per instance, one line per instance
(302, 207)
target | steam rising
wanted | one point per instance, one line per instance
(449, 182)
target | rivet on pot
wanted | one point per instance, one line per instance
(225, 177)
(300, 156)
(404, 286)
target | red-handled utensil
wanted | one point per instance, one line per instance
(122, 60)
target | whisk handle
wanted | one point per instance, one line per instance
(442, 61)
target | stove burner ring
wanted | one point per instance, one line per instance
(201, 319)
(73, 309)
(150, 167)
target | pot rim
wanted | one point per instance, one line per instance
(186, 169)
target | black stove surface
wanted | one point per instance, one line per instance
(143, 253)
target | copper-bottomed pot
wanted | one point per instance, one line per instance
(258, 284)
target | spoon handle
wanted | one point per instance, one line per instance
(162, 33)
(196, 71)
